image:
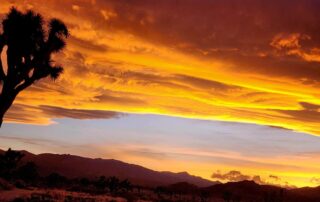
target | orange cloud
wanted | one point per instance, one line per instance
(147, 58)
(289, 41)
(291, 44)
(45, 114)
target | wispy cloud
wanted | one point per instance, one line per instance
(290, 44)
(44, 114)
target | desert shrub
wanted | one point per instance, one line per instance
(84, 182)
(5, 185)
(101, 183)
(21, 176)
(113, 184)
(55, 180)
(9, 162)
(19, 199)
(71, 198)
(128, 196)
(28, 172)
(20, 184)
(125, 186)
(41, 197)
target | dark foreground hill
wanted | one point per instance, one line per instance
(251, 191)
(72, 166)
(246, 191)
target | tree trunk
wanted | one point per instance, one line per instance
(2, 110)
(6, 100)
(1, 119)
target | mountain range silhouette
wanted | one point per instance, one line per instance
(72, 166)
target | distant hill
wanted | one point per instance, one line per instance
(306, 193)
(246, 191)
(72, 166)
(251, 191)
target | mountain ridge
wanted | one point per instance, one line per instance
(74, 166)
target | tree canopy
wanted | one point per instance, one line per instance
(29, 43)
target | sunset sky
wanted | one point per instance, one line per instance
(206, 87)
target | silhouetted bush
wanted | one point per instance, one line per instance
(28, 172)
(5, 185)
(125, 186)
(55, 180)
(8, 163)
(84, 182)
(113, 184)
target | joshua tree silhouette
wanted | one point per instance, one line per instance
(29, 47)
(9, 162)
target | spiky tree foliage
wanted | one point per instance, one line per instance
(9, 162)
(30, 45)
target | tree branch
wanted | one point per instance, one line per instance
(11, 63)
(37, 74)
(2, 74)
(25, 84)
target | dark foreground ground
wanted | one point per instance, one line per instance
(245, 191)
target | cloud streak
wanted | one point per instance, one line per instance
(29, 114)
